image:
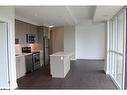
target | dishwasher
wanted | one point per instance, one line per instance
(29, 63)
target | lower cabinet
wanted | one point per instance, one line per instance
(20, 66)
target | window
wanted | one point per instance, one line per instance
(116, 47)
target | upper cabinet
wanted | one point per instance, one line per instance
(33, 30)
(40, 34)
(23, 28)
(45, 31)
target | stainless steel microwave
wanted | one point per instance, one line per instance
(30, 38)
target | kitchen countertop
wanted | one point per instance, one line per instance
(61, 53)
(37, 51)
(24, 54)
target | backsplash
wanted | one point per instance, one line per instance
(18, 49)
(34, 47)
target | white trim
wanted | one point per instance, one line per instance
(124, 57)
(73, 59)
(11, 53)
(107, 65)
(11, 47)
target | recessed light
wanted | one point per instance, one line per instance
(51, 26)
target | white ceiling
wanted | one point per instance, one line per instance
(64, 15)
(103, 13)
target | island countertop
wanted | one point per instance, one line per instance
(61, 53)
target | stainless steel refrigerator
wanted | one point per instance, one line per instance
(46, 50)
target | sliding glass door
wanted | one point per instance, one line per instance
(115, 53)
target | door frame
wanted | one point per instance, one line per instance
(11, 52)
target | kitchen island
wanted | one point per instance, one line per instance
(60, 64)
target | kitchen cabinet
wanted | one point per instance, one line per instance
(40, 35)
(20, 66)
(42, 32)
(45, 31)
(59, 64)
(21, 29)
(34, 30)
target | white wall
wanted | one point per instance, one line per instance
(7, 14)
(57, 39)
(69, 40)
(90, 41)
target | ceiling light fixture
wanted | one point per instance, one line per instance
(51, 26)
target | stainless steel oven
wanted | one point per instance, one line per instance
(32, 62)
(36, 60)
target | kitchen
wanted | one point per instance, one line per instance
(29, 47)
(32, 40)
(34, 44)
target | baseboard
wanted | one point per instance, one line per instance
(92, 59)
(73, 59)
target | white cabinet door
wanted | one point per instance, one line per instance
(22, 66)
(18, 67)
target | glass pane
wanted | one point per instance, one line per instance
(110, 35)
(115, 64)
(112, 64)
(119, 70)
(115, 34)
(120, 32)
(116, 46)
